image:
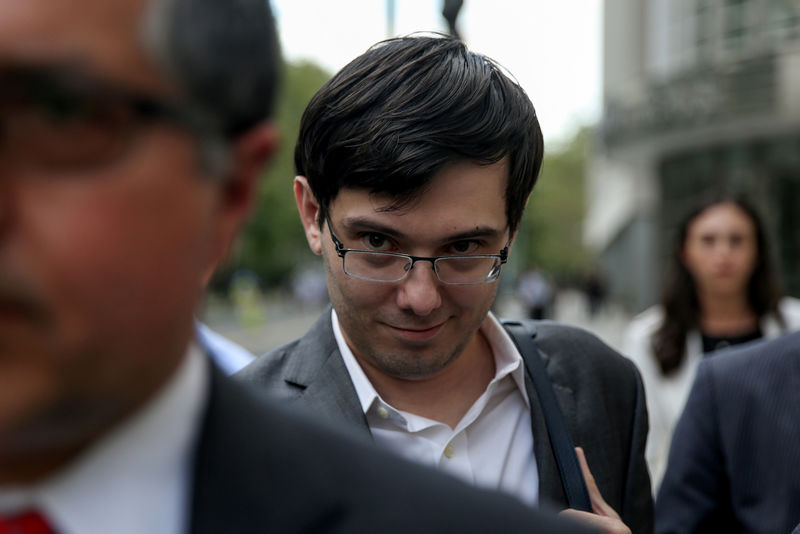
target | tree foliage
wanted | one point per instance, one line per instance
(551, 230)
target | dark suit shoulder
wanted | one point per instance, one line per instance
(264, 467)
(755, 363)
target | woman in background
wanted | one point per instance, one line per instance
(720, 290)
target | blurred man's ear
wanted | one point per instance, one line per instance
(308, 207)
(250, 154)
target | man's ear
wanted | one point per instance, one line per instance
(250, 153)
(308, 207)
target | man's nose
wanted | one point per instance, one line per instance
(419, 290)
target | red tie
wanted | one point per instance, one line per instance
(25, 523)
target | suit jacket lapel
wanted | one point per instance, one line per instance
(317, 368)
(551, 491)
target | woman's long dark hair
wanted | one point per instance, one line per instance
(679, 297)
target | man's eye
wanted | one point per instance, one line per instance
(377, 242)
(463, 247)
(62, 108)
(59, 104)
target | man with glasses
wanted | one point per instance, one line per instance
(132, 133)
(415, 163)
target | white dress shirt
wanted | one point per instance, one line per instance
(136, 479)
(492, 445)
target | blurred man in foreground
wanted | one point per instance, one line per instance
(415, 163)
(131, 136)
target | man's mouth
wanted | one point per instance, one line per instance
(417, 333)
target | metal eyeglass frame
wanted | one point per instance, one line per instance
(54, 86)
(341, 252)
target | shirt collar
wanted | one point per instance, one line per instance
(364, 389)
(136, 478)
(507, 360)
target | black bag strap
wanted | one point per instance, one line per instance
(560, 439)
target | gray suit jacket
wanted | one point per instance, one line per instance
(734, 464)
(599, 391)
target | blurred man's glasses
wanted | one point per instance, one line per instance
(393, 267)
(56, 119)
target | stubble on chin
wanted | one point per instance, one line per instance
(406, 364)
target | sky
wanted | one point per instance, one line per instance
(552, 47)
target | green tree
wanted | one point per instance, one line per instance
(551, 230)
(273, 243)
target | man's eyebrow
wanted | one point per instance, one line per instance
(363, 223)
(478, 231)
(355, 223)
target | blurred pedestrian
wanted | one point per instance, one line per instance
(595, 288)
(720, 290)
(309, 289)
(535, 293)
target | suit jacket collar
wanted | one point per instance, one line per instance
(319, 371)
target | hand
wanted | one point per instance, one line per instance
(604, 517)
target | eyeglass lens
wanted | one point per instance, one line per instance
(450, 270)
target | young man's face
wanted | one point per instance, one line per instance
(101, 262)
(415, 328)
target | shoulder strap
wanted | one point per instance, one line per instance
(560, 439)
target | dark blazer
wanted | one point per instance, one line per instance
(599, 391)
(734, 465)
(262, 467)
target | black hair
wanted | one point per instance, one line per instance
(396, 115)
(224, 54)
(679, 298)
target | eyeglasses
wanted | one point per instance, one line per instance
(53, 118)
(393, 267)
